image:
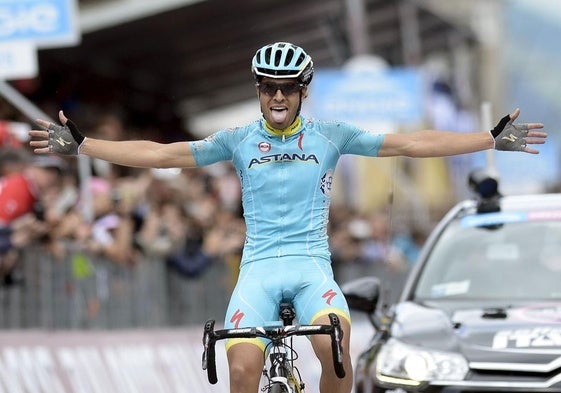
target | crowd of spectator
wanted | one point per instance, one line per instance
(186, 218)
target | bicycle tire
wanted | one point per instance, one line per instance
(277, 388)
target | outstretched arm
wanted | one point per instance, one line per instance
(68, 140)
(429, 143)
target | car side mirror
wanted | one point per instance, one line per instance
(362, 294)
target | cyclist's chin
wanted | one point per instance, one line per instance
(279, 119)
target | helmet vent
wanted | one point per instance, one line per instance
(289, 56)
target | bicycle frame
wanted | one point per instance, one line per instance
(280, 369)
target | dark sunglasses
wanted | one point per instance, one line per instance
(286, 89)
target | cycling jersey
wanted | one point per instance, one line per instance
(286, 181)
(286, 187)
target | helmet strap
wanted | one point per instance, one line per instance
(299, 105)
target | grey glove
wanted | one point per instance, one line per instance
(65, 139)
(508, 136)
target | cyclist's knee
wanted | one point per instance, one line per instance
(245, 360)
(322, 344)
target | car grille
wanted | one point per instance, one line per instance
(512, 376)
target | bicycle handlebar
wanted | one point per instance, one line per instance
(209, 353)
(336, 345)
(210, 337)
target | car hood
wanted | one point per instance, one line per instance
(529, 333)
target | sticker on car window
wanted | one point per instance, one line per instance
(502, 251)
(450, 288)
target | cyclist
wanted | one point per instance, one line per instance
(285, 163)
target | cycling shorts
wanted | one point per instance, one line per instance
(262, 285)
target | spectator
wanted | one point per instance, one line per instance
(111, 233)
(22, 211)
(378, 246)
(13, 161)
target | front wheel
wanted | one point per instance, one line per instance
(278, 388)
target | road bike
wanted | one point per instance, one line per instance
(280, 373)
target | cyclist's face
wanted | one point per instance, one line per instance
(280, 100)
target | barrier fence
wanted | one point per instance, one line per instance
(82, 291)
(82, 323)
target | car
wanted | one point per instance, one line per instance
(480, 310)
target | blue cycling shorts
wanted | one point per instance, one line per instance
(262, 285)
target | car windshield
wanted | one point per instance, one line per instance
(512, 260)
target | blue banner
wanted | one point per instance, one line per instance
(395, 94)
(46, 23)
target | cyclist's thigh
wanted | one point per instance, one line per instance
(319, 294)
(252, 303)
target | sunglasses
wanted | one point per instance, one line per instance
(286, 89)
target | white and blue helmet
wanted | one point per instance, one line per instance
(282, 60)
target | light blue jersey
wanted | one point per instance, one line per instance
(286, 182)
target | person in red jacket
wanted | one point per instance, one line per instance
(19, 192)
(21, 218)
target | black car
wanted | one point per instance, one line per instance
(481, 309)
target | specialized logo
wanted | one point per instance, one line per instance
(264, 147)
(237, 318)
(511, 138)
(62, 142)
(329, 295)
(283, 157)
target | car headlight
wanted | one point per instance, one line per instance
(404, 364)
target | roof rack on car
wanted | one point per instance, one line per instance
(486, 187)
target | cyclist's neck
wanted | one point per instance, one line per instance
(288, 131)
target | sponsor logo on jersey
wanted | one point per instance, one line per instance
(210, 138)
(264, 147)
(329, 295)
(237, 318)
(294, 157)
(326, 182)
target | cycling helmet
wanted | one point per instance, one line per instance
(282, 60)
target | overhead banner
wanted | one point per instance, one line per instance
(46, 23)
(392, 95)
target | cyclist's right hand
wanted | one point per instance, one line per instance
(63, 139)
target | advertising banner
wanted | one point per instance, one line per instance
(392, 95)
(46, 23)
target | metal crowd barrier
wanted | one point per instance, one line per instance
(83, 291)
